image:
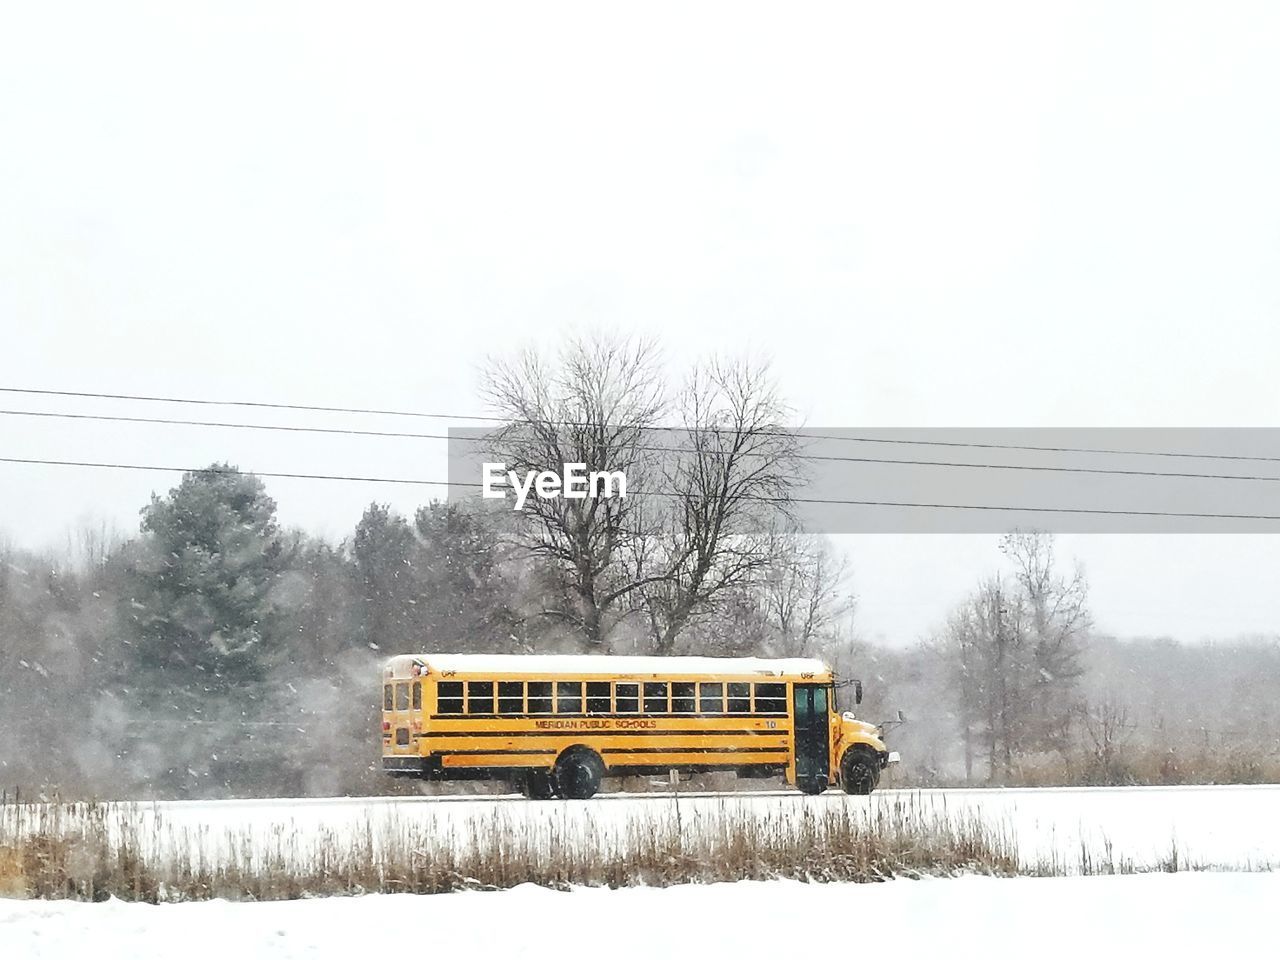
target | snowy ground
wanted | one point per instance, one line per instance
(1153, 915)
(1228, 826)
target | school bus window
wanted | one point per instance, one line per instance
(682, 699)
(386, 696)
(480, 697)
(710, 698)
(417, 695)
(449, 696)
(568, 696)
(739, 698)
(628, 697)
(655, 697)
(598, 697)
(511, 696)
(402, 696)
(771, 698)
(539, 696)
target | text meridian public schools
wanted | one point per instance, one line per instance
(636, 724)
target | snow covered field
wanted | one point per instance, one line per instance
(1226, 826)
(1152, 915)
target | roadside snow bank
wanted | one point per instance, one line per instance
(1164, 915)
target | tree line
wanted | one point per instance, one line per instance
(216, 653)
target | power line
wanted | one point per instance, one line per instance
(214, 470)
(168, 421)
(798, 434)
(349, 431)
(1002, 508)
(249, 403)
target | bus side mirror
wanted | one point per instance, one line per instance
(857, 691)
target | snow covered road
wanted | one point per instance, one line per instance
(1151, 915)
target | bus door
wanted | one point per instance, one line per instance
(813, 749)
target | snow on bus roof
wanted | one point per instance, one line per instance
(606, 665)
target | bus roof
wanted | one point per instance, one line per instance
(602, 665)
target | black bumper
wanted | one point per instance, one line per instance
(403, 766)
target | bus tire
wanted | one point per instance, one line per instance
(538, 785)
(577, 773)
(859, 770)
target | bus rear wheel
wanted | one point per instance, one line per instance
(577, 773)
(859, 771)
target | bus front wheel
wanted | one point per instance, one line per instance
(577, 774)
(859, 771)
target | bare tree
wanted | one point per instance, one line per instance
(595, 403)
(986, 644)
(799, 605)
(1107, 726)
(729, 488)
(1058, 626)
(804, 591)
(959, 649)
(1015, 651)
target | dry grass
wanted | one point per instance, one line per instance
(92, 851)
(1133, 766)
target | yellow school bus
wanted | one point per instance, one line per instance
(555, 726)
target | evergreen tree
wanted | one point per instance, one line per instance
(468, 595)
(384, 550)
(201, 601)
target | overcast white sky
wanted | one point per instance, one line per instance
(927, 214)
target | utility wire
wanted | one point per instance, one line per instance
(798, 434)
(214, 470)
(1004, 508)
(346, 431)
(248, 403)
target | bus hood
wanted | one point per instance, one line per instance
(852, 729)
